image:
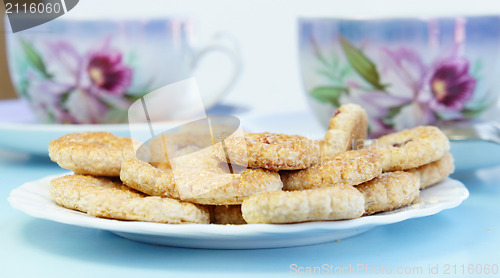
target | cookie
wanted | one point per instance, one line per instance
(149, 209)
(390, 191)
(103, 197)
(146, 178)
(77, 191)
(434, 172)
(157, 179)
(93, 153)
(329, 203)
(269, 151)
(200, 178)
(411, 148)
(347, 168)
(347, 126)
(226, 215)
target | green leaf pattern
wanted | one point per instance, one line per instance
(34, 58)
(335, 72)
(363, 66)
(328, 94)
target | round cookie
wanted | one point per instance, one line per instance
(270, 151)
(93, 153)
(200, 178)
(434, 172)
(411, 148)
(329, 203)
(76, 191)
(347, 168)
(103, 197)
(149, 209)
(348, 124)
(148, 179)
(158, 179)
(390, 191)
(226, 215)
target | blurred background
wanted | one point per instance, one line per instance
(265, 31)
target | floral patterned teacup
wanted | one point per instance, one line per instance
(91, 71)
(404, 72)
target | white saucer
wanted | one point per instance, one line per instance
(19, 130)
(33, 199)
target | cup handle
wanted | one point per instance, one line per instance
(220, 42)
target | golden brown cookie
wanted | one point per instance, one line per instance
(329, 203)
(226, 215)
(347, 168)
(347, 126)
(270, 151)
(200, 178)
(434, 172)
(390, 191)
(93, 153)
(146, 178)
(103, 197)
(149, 209)
(77, 191)
(411, 148)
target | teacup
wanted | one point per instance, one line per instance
(405, 72)
(91, 71)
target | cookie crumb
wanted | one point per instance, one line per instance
(433, 200)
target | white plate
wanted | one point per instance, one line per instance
(33, 199)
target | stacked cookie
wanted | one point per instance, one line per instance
(355, 176)
(258, 178)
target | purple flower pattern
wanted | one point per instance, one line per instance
(81, 88)
(414, 92)
(452, 85)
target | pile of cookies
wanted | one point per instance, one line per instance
(257, 178)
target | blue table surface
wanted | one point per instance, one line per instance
(463, 240)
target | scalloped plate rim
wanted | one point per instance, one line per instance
(18, 199)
